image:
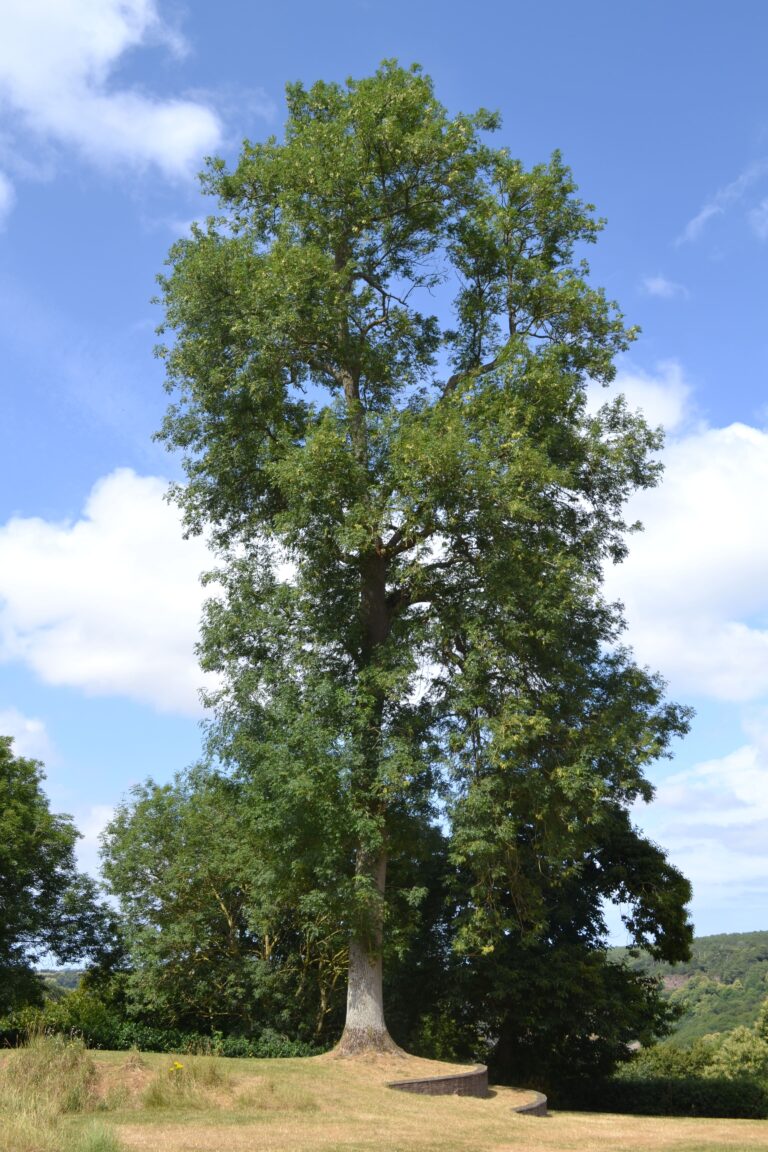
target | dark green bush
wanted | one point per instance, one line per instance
(739, 1098)
(82, 1014)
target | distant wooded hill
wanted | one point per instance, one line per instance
(60, 980)
(719, 988)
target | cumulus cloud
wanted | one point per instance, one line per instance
(57, 60)
(695, 585)
(90, 823)
(109, 603)
(712, 818)
(662, 396)
(30, 737)
(731, 792)
(663, 288)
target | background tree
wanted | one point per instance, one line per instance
(46, 906)
(218, 938)
(413, 511)
(560, 1010)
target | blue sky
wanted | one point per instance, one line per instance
(107, 108)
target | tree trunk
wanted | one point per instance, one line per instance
(365, 1029)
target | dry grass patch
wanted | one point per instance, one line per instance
(188, 1082)
(43, 1088)
(383, 1067)
(351, 1110)
(271, 1094)
(64, 1099)
(51, 1073)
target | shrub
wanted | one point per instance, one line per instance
(735, 1098)
(83, 1014)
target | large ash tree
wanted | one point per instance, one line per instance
(378, 352)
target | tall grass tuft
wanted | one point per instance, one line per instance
(41, 1083)
(187, 1082)
(52, 1074)
(95, 1138)
(28, 1132)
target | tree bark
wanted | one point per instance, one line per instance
(365, 1029)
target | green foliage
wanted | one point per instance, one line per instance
(217, 944)
(412, 514)
(723, 1074)
(46, 905)
(74, 1014)
(563, 1014)
(57, 981)
(83, 1016)
(742, 1052)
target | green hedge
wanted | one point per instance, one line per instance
(82, 1014)
(738, 1098)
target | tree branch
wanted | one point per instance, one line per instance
(459, 377)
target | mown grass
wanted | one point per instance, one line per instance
(57, 1097)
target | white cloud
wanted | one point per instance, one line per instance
(758, 218)
(696, 225)
(729, 792)
(718, 204)
(663, 397)
(29, 735)
(713, 821)
(91, 822)
(57, 58)
(695, 584)
(7, 198)
(110, 603)
(663, 288)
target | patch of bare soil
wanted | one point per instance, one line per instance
(122, 1085)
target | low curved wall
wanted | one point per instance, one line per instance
(537, 1107)
(471, 1083)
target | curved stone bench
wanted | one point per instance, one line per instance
(473, 1082)
(537, 1107)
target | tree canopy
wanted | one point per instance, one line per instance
(46, 906)
(379, 351)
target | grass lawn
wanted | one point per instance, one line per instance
(58, 1100)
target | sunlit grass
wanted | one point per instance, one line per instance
(57, 1097)
(186, 1082)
